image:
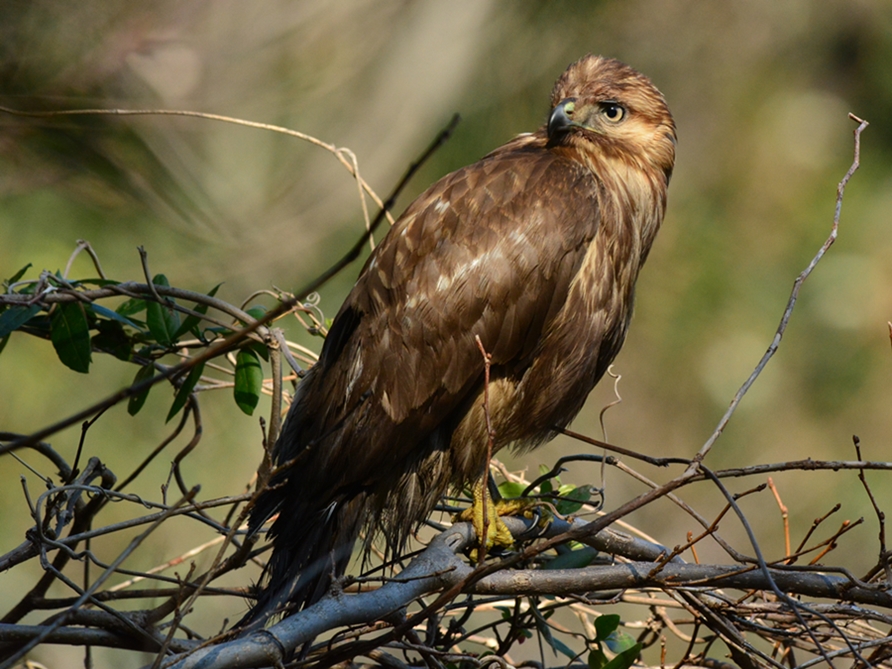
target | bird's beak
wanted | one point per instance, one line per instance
(561, 118)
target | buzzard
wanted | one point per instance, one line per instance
(535, 249)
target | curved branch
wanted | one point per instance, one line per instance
(130, 288)
(331, 148)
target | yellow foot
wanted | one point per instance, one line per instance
(486, 516)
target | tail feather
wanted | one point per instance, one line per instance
(312, 548)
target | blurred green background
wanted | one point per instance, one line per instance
(759, 89)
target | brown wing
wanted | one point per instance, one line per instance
(505, 250)
(489, 250)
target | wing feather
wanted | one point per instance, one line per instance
(535, 249)
(489, 250)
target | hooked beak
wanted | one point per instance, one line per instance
(561, 118)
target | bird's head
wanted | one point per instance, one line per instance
(604, 105)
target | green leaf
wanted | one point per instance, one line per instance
(99, 310)
(131, 307)
(256, 313)
(11, 280)
(556, 644)
(112, 339)
(597, 659)
(15, 317)
(136, 401)
(259, 349)
(608, 634)
(560, 647)
(70, 335)
(39, 325)
(248, 380)
(573, 498)
(192, 322)
(163, 321)
(573, 559)
(606, 625)
(547, 486)
(179, 401)
(619, 641)
(625, 659)
(18, 275)
(3, 343)
(511, 489)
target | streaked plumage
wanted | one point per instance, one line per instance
(535, 248)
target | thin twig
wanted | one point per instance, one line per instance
(83, 245)
(144, 260)
(791, 303)
(337, 152)
(62, 619)
(785, 514)
(881, 516)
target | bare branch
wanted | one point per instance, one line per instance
(794, 295)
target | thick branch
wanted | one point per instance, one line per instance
(440, 567)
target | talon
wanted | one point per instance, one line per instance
(496, 532)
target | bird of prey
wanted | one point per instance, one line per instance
(535, 249)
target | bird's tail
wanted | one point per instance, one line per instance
(312, 547)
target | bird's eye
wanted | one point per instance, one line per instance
(613, 111)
